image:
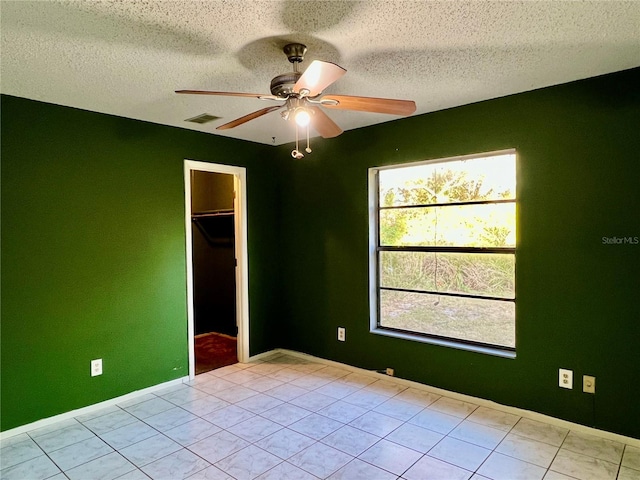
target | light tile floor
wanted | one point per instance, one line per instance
(289, 418)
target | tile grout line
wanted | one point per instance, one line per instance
(540, 417)
(308, 390)
(564, 439)
(404, 422)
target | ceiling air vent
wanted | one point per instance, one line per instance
(203, 118)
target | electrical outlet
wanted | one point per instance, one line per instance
(342, 334)
(588, 384)
(96, 367)
(390, 372)
(565, 378)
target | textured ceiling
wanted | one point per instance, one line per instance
(127, 57)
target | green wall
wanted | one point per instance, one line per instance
(93, 253)
(93, 260)
(578, 302)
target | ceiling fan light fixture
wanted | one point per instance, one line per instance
(301, 93)
(302, 117)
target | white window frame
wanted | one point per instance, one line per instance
(373, 262)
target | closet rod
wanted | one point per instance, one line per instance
(219, 213)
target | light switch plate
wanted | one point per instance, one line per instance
(588, 384)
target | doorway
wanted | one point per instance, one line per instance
(217, 287)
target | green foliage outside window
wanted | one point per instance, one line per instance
(460, 204)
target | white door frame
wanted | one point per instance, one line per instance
(242, 270)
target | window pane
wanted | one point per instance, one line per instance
(484, 321)
(486, 178)
(486, 225)
(491, 275)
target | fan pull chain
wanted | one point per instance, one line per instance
(297, 154)
(308, 149)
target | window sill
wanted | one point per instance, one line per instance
(445, 343)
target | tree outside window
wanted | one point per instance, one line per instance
(445, 249)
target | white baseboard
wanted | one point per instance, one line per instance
(478, 401)
(262, 356)
(45, 422)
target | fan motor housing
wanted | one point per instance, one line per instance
(282, 85)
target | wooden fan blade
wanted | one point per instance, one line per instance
(226, 94)
(371, 104)
(318, 76)
(246, 118)
(321, 122)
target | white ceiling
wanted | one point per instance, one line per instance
(127, 57)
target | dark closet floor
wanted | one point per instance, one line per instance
(215, 350)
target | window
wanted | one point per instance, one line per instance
(443, 251)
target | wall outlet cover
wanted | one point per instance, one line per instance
(96, 367)
(342, 335)
(565, 378)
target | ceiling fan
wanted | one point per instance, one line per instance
(302, 97)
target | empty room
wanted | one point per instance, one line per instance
(320, 239)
